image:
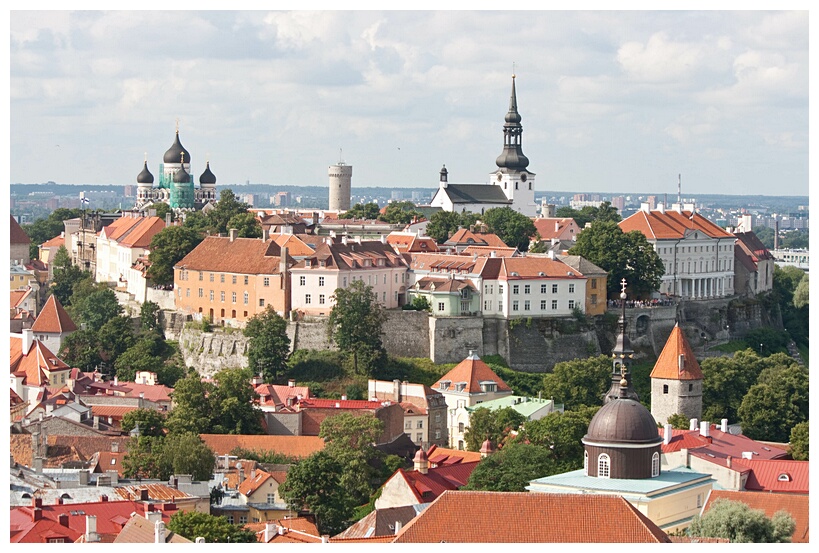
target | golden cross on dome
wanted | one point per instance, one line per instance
(177, 124)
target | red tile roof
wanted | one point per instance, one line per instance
(671, 225)
(134, 232)
(17, 235)
(796, 505)
(668, 367)
(523, 517)
(467, 237)
(443, 456)
(720, 445)
(57, 241)
(775, 475)
(307, 403)
(53, 319)
(436, 481)
(489, 251)
(277, 395)
(252, 256)
(473, 371)
(553, 227)
(34, 362)
(250, 485)
(296, 446)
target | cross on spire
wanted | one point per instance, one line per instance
(623, 285)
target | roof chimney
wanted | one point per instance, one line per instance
(693, 424)
(233, 234)
(383, 238)
(705, 429)
(28, 339)
(291, 383)
(265, 234)
(63, 518)
(667, 433)
(723, 425)
(398, 526)
(159, 532)
(37, 514)
(344, 239)
(91, 529)
(728, 461)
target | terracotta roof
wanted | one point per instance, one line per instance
(796, 505)
(489, 251)
(443, 456)
(775, 475)
(296, 446)
(671, 225)
(379, 523)
(411, 242)
(443, 284)
(17, 296)
(34, 362)
(277, 395)
(152, 392)
(352, 256)
(751, 244)
(17, 235)
(53, 318)
(107, 460)
(242, 256)
(299, 527)
(140, 530)
(250, 485)
(134, 232)
(437, 480)
(113, 411)
(668, 367)
(523, 517)
(307, 403)
(536, 267)
(296, 245)
(719, 445)
(553, 227)
(473, 371)
(465, 237)
(57, 241)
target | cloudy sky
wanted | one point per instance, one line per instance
(610, 101)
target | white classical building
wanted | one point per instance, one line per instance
(698, 255)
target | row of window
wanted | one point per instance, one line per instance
(604, 465)
(183, 275)
(695, 249)
(527, 288)
(527, 305)
(222, 295)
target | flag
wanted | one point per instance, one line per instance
(84, 200)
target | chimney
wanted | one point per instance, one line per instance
(551, 254)
(269, 531)
(383, 238)
(693, 424)
(28, 339)
(103, 498)
(281, 530)
(325, 539)
(83, 477)
(265, 234)
(291, 383)
(705, 429)
(338, 405)
(168, 219)
(645, 208)
(661, 208)
(681, 362)
(396, 390)
(747, 454)
(154, 516)
(667, 433)
(252, 474)
(63, 518)
(200, 539)
(37, 514)
(38, 465)
(344, 239)
(398, 526)
(116, 381)
(233, 233)
(91, 529)
(343, 398)
(159, 532)
(96, 425)
(728, 461)
(140, 404)
(36, 502)
(723, 425)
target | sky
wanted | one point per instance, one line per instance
(611, 101)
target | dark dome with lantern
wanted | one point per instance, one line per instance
(145, 177)
(623, 421)
(207, 176)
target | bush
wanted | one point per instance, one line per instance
(318, 365)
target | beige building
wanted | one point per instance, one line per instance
(425, 409)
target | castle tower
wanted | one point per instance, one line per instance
(341, 176)
(512, 176)
(676, 380)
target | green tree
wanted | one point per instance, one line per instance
(268, 345)
(679, 421)
(776, 403)
(354, 325)
(368, 211)
(43, 230)
(350, 440)
(96, 309)
(515, 229)
(511, 468)
(491, 424)
(726, 380)
(65, 275)
(765, 235)
(143, 459)
(215, 529)
(626, 256)
(149, 316)
(81, 349)
(246, 225)
(144, 355)
(232, 403)
(801, 293)
(561, 433)
(579, 382)
(442, 225)
(224, 210)
(151, 422)
(799, 442)
(399, 213)
(115, 337)
(737, 522)
(315, 484)
(796, 239)
(192, 411)
(167, 248)
(186, 453)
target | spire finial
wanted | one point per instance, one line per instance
(623, 288)
(513, 70)
(146, 157)
(177, 125)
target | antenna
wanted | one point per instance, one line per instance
(340, 157)
(679, 189)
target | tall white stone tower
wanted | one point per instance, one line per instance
(341, 176)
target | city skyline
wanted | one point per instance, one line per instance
(608, 100)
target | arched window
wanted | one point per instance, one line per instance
(603, 466)
(655, 465)
(586, 463)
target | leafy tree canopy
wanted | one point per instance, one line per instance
(776, 403)
(561, 433)
(224, 210)
(399, 213)
(368, 211)
(268, 345)
(186, 453)
(151, 422)
(739, 523)
(192, 411)
(232, 403)
(515, 229)
(491, 424)
(354, 325)
(65, 276)
(442, 225)
(581, 382)
(512, 468)
(168, 247)
(149, 316)
(626, 256)
(215, 529)
(43, 230)
(81, 349)
(96, 308)
(246, 225)
(799, 442)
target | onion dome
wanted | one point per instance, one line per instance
(145, 177)
(207, 176)
(177, 152)
(181, 176)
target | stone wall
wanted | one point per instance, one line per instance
(209, 352)
(452, 338)
(406, 333)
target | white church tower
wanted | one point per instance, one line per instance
(517, 182)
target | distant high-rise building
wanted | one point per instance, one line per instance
(619, 202)
(341, 176)
(652, 202)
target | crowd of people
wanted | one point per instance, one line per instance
(656, 302)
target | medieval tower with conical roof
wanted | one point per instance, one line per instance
(676, 380)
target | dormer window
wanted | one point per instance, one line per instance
(307, 263)
(489, 386)
(445, 384)
(460, 386)
(784, 477)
